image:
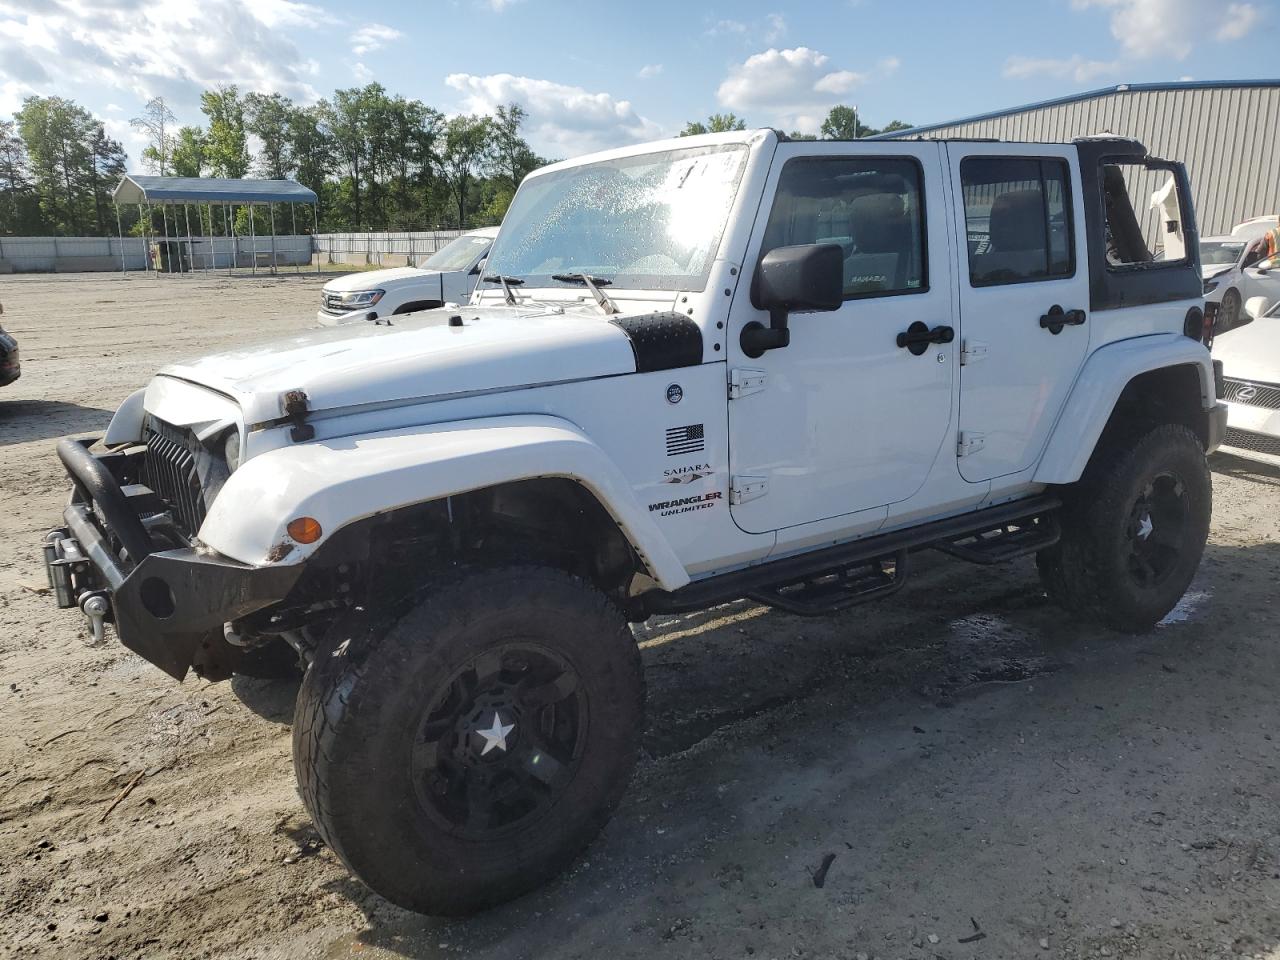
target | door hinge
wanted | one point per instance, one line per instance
(744, 382)
(972, 351)
(969, 442)
(742, 489)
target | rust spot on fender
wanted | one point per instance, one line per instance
(279, 552)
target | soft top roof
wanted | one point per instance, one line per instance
(137, 188)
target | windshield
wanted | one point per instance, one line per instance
(457, 254)
(646, 222)
(1214, 253)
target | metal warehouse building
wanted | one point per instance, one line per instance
(1227, 133)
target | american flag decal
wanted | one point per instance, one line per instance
(690, 439)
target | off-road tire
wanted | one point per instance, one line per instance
(359, 726)
(1099, 569)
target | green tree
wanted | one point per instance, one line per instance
(58, 134)
(16, 195)
(226, 145)
(188, 158)
(841, 124)
(267, 118)
(106, 168)
(716, 123)
(310, 147)
(511, 156)
(895, 125)
(156, 122)
(797, 135)
(466, 141)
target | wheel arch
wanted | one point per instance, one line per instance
(1123, 388)
(520, 463)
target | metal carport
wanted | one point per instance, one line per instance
(169, 193)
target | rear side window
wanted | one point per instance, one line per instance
(1018, 219)
(1142, 215)
(873, 207)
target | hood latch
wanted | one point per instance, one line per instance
(296, 405)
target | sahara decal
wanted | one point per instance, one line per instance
(669, 508)
(687, 474)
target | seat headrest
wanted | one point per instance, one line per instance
(880, 223)
(1017, 221)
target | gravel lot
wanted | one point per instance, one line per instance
(992, 779)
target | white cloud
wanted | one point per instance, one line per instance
(791, 88)
(1240, 19)
(173, 49)
(888, 66)
(649, 71)
(362, 73)
(721, 27)
(564, 121)
(1169, 28)
(372, 36)
(1075, 68)
(775, 27)
(769, 29)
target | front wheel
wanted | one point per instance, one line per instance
(1133, 531)
(1231, 306)
(466, 752)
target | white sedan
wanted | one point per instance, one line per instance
(1250, 356)
(1234, 272)
(447, 276)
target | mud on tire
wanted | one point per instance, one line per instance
(468, 751)
(1133, 531)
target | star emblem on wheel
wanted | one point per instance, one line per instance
(1145, 526)
(496, 736)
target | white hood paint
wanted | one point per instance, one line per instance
(419, 356)
(378, 279)
(1251, 352)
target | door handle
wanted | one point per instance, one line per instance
(918, 336)
(1057, 318)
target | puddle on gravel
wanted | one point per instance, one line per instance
(1185, 608)
(989, 649)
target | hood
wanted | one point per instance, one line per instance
(1251, 352)
(1207, 270)
(377, 279)
(417, 357)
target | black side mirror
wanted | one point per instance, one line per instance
(806, 278)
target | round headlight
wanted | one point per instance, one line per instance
(231, 450)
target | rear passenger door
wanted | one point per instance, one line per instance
(1024, 298)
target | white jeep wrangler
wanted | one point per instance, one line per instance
(702, 369)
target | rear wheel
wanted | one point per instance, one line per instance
(465, 753)
(1133, 531)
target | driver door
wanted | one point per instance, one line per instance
(843, 419)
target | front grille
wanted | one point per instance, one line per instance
(169, 469)
(1254, 394)
(1257, 442)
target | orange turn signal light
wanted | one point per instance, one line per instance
(304, 529)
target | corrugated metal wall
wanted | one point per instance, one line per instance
(1229, 138)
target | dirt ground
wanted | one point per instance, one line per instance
(992, 779)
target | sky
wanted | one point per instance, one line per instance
(598, 75)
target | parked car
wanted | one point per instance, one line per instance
(1255, 227)
(10, 364)
(1234, 271)
(1250, 357)
(723, 366)
(447, 276)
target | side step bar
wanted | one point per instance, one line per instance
(1007, 542)
(784, 581)
(838, 589)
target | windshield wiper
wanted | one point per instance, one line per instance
(593, 284)
(507, 284)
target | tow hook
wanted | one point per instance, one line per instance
(95, 606)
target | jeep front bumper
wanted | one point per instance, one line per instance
(164, 603)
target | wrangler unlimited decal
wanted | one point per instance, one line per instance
(669, 508)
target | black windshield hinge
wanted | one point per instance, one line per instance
(295, 408)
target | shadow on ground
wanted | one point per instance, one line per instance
(22, 421)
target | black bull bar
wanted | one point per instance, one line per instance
(164, 603)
